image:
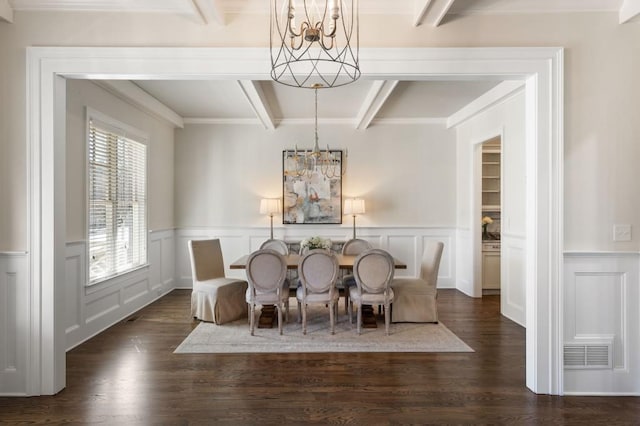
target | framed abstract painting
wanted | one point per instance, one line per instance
(312, 187)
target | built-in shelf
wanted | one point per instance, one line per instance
(491, 178)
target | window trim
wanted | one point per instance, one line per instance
(122, 129)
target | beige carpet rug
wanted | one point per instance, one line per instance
(404, 337)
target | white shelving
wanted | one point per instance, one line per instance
(490, 178)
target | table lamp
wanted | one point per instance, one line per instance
(270, 206)
(354, 206)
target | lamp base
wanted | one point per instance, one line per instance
(354, 226)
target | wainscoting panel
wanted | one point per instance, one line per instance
(601, 299)
(464, 273)
(404, 243)
(14, 316)
(93, 309)
(512, 284)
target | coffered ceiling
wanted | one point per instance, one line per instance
(359, 104)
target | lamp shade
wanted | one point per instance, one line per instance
(354, 206)
(270, 206)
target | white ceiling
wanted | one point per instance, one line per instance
(359, 103)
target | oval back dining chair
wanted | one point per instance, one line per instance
(352, 247)
(277, 245)
(267, 273)
(373, 270)
(318, 273)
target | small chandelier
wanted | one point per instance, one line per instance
(316, 43)
(306, 163)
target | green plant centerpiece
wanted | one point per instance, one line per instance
(312, 243)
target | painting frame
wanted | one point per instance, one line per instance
(309, 197)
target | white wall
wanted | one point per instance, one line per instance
(406, 174)
(14, 295)
(89, 310)
(82, 94)
(601, 64)
(508, 120)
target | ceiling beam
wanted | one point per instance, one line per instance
(432, 12)
(6, 11)
(491, 98)
(210, 11)
(629, 11)
(421, 11)
(131, 93)
(377, 96)
(255, 95)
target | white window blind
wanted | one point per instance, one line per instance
(117, 202)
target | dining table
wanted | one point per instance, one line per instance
(345, 262)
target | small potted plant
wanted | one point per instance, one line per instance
(486, 221)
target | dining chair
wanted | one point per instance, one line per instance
(214, 298)
(318, 273)
(373, 270)
(268, 285)
(415, 298)
(352, 247)
(277, 245)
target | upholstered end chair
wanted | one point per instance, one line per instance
(215, 298)
(415, 298)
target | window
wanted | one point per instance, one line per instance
(117, 200)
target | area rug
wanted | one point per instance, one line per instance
(403, 337)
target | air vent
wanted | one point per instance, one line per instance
(588, 356)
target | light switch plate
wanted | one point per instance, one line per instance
(621, 232)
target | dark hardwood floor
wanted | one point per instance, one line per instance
(129, 375)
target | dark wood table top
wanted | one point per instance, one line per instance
(345, 262)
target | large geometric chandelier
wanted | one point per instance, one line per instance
(307, 163)
(314, 42)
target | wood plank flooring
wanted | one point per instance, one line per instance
(128, 375)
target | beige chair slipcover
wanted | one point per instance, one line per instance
(415, 298)
(373, 270)
(318, 272)
(268, 284)
(214, 298)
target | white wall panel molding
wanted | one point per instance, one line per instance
(601, 299)
(512, 290)
(14, 293)
(90, 310)
(405, 243)
(465, 275)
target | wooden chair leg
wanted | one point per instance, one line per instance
(304, 318)
(252, 320)
(386, 319)
(332, 317)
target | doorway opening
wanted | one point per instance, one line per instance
(541, 68)
(491, 196)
